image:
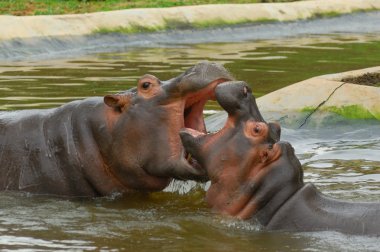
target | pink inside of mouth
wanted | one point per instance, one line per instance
(194, 116)
(195, 103)
(194, 133)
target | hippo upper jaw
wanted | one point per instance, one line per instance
(184, 99)
(191, 91)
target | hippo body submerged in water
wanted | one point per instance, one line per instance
(119, 143)
(251, 176)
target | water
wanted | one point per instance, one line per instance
(342, 161)
(53, 47)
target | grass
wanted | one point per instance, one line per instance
(329, 14)
(353, 112)
(53, 7)
(174, 24)
(225, 23)
(332, 14)
(349, 112)
(128, 30)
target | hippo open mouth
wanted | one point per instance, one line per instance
(194, 117)
(235, 98)
(194, 106)
(185, 97)
(195, 87)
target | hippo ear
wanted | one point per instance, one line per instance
(118, 101)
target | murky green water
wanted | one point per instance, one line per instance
(343, 163)
(266, 65)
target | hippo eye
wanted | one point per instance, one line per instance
(256, 129)
(146, 85)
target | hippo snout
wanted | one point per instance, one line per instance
(286, 147)
(231, 95)
(289, 155)
(196, 78)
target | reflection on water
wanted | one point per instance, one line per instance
(265, 65)
(342, 161)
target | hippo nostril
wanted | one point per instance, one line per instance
(245, 91)
(270, 146)
(293, 150)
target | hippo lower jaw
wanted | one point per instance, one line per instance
(193, 140)
(194, 122)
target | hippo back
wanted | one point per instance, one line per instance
(39, 148)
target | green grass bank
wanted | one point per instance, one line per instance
(59, 7)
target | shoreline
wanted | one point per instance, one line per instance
(49, 47)
(161, 19)
(43, 37)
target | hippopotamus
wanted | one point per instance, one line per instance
(254, 177)
(226, 151)
(118, 143)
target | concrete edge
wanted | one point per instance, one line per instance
(327, 93)
(154, 19)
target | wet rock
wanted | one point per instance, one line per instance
(331, 94)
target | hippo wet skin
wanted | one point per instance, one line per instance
(252, 176)
(118, 143)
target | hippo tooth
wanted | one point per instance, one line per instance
(213, 132)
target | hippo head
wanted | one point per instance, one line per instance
(258, 189)
(245, 162)
(144, 123)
